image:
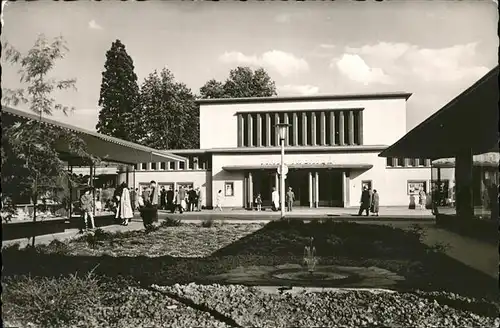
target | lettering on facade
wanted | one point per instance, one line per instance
(297, 163)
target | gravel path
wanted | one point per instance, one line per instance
(250, 307)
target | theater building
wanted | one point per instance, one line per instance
(331, 151)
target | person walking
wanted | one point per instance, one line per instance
(365, 202)
(275, 197)
(219, 201)
(87, 208)
(422, 201)
(181, 199)
(125, 212)
(199, 196)
(258, 201)
(375, 202)
(191, 199)
(290, 198)
(163, 198)
(170, 200)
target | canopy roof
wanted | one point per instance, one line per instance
(483, 160)
(470, 121)
(105, 147)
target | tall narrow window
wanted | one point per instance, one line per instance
(171, 165)
(328, 130)
(163, 166)
(254, 130)
(318, 128)
(291, 129)
(300, 130)
(347, 125)
(274, 142)
(388, 162)
(337, 128)
(356, 127)
(310, 123)
(263, 129)
(191, 162)
(245, 131)
(182, 165)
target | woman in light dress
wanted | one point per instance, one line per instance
(124, 210)
(219, 201)
(422, 201)
(276, 199)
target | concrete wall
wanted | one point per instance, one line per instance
(391, 183)
(384, 120)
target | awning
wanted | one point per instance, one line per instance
(105, 147)
(298, 166)
(470, 121)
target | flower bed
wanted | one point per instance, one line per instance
(250, 307)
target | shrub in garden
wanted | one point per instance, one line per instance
(50, 302)
(170, 222)
(207, 223)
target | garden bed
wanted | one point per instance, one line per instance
(192, 252)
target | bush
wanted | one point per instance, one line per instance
(170, 222)
(207, 223)
(50, 302)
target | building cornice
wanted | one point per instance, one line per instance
(370, 96)
(289, 149)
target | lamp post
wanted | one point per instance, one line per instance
(282, 132)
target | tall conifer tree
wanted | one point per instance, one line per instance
(119, 95)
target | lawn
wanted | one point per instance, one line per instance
(179, 258)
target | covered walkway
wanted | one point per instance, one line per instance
(466, 126)
(100, 147)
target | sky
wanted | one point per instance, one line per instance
(433, 49)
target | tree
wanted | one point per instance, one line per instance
(119, 95)
(169, 114)
(30, 164)
(242, 82)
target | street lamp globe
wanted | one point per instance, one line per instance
(282, 130)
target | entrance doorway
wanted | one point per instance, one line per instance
(299, 181)
(330, 188)
(263, 183)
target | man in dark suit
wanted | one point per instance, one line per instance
(366, 201)
(170, 200)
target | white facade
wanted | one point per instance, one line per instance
(223, 163)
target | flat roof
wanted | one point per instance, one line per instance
(288, 149)
(470, 120)
(105, 147)
(364, 96)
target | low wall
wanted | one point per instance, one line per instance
(28, 229)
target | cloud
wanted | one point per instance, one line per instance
(284, 63)
(403, 60)
(94, 26)
(327, 46)
(304, 90)
(356, 69)
(283, 18)
(4, 6)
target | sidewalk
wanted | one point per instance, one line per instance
(303, 212)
